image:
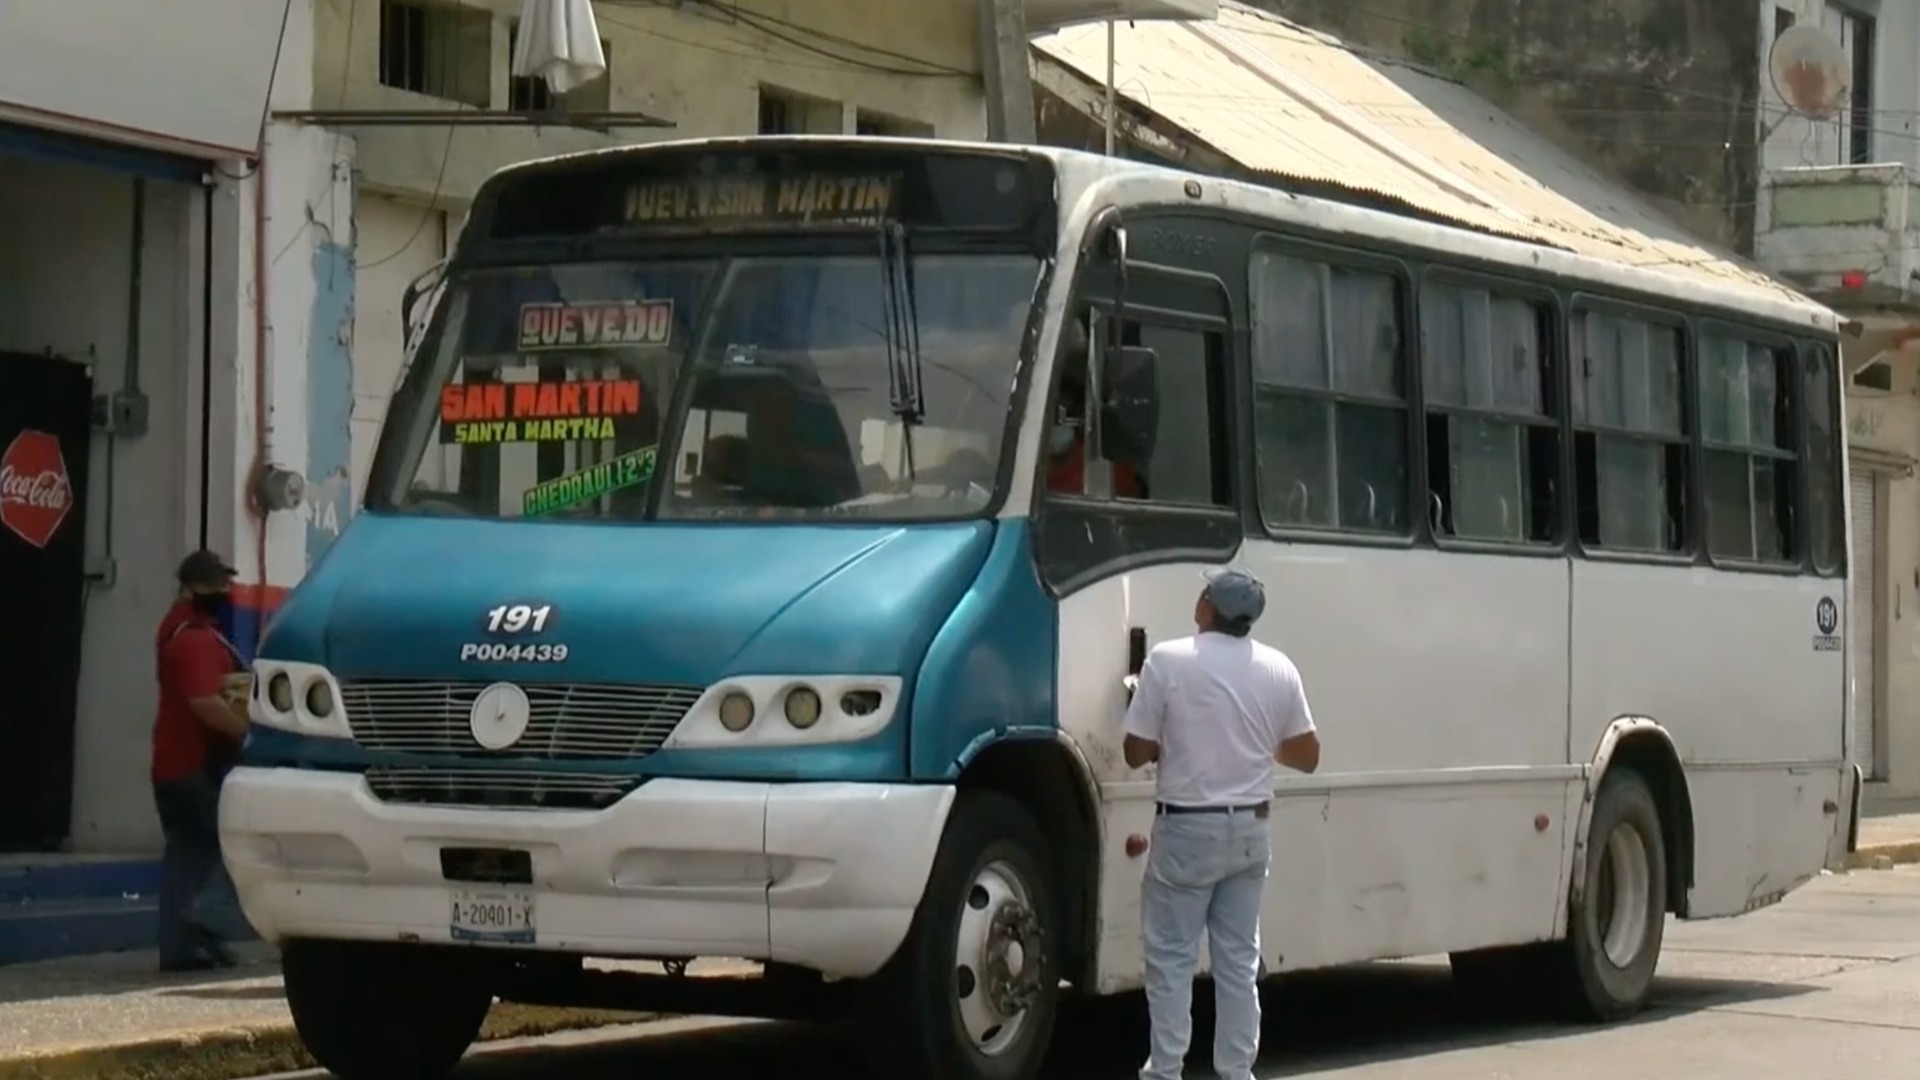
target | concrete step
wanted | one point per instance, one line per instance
(59, 906)
(50, 929)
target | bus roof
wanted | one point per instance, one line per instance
(1087, 180)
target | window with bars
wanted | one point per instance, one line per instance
(439, 50)
(783, 112)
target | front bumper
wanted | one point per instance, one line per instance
(821, 875)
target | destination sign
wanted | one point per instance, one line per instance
(536, 412)
(803, 199)
(642, 323)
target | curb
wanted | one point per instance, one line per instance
(1868, 857)
(236, 1054)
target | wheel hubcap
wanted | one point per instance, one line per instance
(998, 958)
(1622, 903)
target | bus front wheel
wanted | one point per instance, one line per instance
(972, 992)
(373, 1012)
(1606, 964)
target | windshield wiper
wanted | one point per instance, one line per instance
(903, 338)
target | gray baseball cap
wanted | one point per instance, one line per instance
(1235, 594)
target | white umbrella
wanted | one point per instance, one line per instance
(559, 41)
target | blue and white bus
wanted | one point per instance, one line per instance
(764, 529)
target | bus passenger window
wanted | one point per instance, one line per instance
(1747, 423)
(1493, 443)
(1630, 437)
(1330, 402)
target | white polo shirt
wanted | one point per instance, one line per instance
(1219, 706)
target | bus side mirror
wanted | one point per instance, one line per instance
(1130, 415)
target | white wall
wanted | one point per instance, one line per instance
(397, 241)
(100, 63)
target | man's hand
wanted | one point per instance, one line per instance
(1139, 751)
(222, 715)
(1301, 752)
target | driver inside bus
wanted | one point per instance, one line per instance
(1067, 439)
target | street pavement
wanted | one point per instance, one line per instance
(1825, 986)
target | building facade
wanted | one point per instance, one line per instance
(211, 210)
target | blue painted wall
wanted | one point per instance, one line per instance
(329, 469)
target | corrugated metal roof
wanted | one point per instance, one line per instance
(1282, 99)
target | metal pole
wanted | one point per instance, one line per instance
(1110, 94)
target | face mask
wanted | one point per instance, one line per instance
(1060, 439)
(210, 603)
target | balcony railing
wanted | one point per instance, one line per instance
(1847, 234)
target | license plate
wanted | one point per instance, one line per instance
(503, 916)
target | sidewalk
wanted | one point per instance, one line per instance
(1887, 839)
(114, 1017)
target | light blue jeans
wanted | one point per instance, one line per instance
(1205, 872)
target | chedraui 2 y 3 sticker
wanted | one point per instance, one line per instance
(478, 413)
(563, 492)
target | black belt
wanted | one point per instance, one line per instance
(1259, 809)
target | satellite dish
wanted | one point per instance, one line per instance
(1810, 71)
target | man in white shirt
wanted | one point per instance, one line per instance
(1217, 710)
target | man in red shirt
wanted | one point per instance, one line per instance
(196, 738)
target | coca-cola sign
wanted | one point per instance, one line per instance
(35, 493)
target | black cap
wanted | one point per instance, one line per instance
(207, 570)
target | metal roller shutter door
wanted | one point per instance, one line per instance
(1860, 622)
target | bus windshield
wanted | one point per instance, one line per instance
(761, 387)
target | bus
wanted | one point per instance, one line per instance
(764, 531)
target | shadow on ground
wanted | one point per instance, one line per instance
(1318, 1021)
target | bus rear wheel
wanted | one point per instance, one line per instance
(373, 1012)
(972, 992)
(1604, 969)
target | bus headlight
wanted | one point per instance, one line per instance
(320, 699)
(280, 692)
(803, 707)
(736, 712)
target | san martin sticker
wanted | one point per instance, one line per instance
(585, 409)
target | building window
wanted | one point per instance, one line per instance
(783, 112)
(1330, 404)
(529, 94)
(1630, 443)
(1747, 425)
(890, 127)
(1858, 37)
(438, 50)
(1493, 448)
(1875, 376)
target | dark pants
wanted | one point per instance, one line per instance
(189, 820)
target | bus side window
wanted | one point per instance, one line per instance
(1630, 433)
(1493, 439)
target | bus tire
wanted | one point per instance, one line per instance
(1605, 966)
(369, 1012)
(973, 990)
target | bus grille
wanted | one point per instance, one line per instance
(570, 721)
(519, 789)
